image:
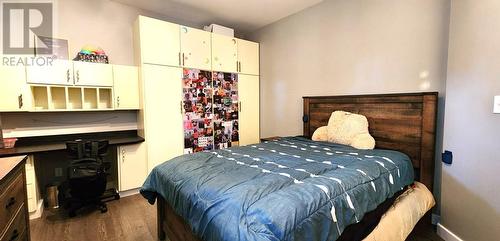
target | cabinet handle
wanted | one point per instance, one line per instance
(11, 202)
(239, 106)
(20, 101)
(118, 101)
(67, 76)
(180, 63)
(14, 236)
(240, 65)
(181, 106)
(237, 68)
(78, 76)
(183, 60)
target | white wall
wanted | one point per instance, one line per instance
(102, 23)
(352, 47)
(470, 192)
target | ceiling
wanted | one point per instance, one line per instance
(244, 16)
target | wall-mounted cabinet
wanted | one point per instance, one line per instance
(59, 72)
(196, 48)
(15, 94)
(158, 40)
(248, 57)
(92, 74)
(126, 87)
(91, 87)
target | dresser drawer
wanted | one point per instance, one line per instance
(11, 200)
(17, 229)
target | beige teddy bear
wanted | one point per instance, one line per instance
(346, 128)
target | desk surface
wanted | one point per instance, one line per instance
(57, 143)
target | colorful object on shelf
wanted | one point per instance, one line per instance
(90, 53)
(9, 142)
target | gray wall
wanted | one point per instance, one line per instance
(470, 186)
(351, 47)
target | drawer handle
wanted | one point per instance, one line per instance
(11, 202)
(14, 236)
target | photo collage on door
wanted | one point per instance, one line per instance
(226, 131)
(197, 110)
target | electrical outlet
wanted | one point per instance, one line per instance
(496, 104)
(58, 172)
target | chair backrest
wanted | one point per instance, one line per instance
(87, 149)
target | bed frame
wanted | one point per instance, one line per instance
(402, 122)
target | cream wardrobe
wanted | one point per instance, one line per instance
(165, 52)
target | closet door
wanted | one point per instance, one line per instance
(132, 166)
(163, 118)
(60, 72)
(224, 53)
(248, 89)
(159, 42)
(196, 50)
(92, 74)
(248, 57)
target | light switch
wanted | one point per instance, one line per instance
(496, 103)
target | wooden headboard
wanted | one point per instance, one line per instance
(402, 122)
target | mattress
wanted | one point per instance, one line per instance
(288, 189)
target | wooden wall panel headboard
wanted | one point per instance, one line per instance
(402, 122)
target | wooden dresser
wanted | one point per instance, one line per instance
(14, 218)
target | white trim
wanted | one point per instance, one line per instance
(446, 234)
(38, 212)
(60, 130)
(129, 192)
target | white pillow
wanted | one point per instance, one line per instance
(350, 129)
(320, 134)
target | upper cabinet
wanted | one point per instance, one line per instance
(126, 87)
(248, 57)
(158, 41)
(92, 74)
(13, 91)
(224, 53)
(195, 48)
(63, 72)
(59, 72)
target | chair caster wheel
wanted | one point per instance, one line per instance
(117, 196)
(104, 209)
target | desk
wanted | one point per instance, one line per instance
(34, 145)
(47, 157)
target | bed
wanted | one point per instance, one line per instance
(293, 188)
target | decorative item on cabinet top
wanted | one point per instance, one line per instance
(163, 43)
(69, 86)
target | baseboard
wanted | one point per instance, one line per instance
(129, 192)
(435, 219)
(39, 210)
(446, 234)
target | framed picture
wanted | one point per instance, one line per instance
(59, 47)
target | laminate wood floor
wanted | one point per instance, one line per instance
(128, 219)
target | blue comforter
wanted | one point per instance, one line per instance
(289, 189)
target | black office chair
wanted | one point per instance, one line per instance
(87, 176)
